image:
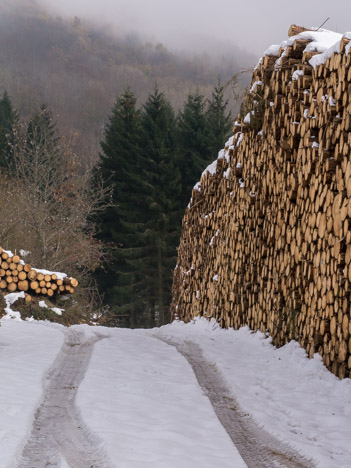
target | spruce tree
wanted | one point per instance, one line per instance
(219, 121)
(193, 144)
(162, 177)
(123, 224)
(8, 119)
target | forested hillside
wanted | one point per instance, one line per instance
(77, 70)
(101, 139)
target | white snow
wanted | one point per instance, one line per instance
(331, 45)
(215, 278)
(10, 299)
(296, 74)
(223, 154)
(54, 309)
(211, 168)
(57, 310)
(143, 400)
(273, 50)
(254, 86)
(24, 253)
(47, 272)
(247, 118)
(231, 139)
(197, 186)
(27, 351)
(295, 398)
(332, 101)
(323, 41)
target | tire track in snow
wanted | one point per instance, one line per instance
(58, 430)
(257, 447)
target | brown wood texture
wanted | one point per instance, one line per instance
(267, 241)
(16, 275)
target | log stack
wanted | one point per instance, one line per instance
(266, 239)
(15, 275)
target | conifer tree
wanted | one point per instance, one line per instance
(219, 121)
(193, 144)
(8, 119)
(122, 225)
(162, 177)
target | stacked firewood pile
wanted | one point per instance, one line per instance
(15, 275)
(266, 238)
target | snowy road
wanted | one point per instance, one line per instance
(183, 395)
(58, 429)
(257, 447)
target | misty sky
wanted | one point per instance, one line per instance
(200, 24)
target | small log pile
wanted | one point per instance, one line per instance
(15, 275)
(266, 239)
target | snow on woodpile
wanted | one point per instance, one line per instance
(16, 275)
(279, 197)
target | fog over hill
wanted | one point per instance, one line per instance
(197, 25)
(78, 67)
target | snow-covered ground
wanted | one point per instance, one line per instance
(141, 398)
(27, 351)
(295, 398)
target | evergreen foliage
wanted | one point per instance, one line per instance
(124, 281)
(152, 160)
(219, 121)
(163, 181)
(8, 119)
(193, 144)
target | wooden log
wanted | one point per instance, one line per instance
(34, 285)
(23, 285)
(32, 275)
(12, 287)
(22, 275)
(294, 30)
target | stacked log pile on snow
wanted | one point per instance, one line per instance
(266, 238)
(15, 275)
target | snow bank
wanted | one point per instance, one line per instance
(10, 299)
(295, 398)
(27, 351)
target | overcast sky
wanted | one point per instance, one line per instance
(185, 24)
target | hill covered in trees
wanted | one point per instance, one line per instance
(78, 69)
(95, 191)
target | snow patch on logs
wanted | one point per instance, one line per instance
(16, 275)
